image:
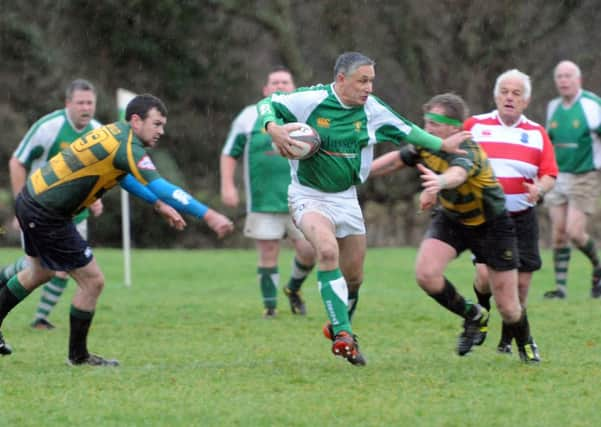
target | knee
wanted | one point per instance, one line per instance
(424, 278)
(328, 253)
(94, 285)
(510, 312)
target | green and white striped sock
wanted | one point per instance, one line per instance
(51, 293)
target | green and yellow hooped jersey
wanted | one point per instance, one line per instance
(81, 173)
(479, 199)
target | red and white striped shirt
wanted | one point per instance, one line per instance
(518, 154)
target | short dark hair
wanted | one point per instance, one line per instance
(454, 106)
(142, 104)
(278, 69)
(348, 62)
(78, 84)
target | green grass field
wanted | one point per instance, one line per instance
(196, 352)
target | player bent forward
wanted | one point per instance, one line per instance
(72, 180)
(471, 216)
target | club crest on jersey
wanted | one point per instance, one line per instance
(146, 164)
(553, 125)
(358, 126)
(524, 138)
(322, 122)
(486, 132)
(576, 124)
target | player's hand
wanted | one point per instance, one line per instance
(280, 138)
(535, 192)
(452, 143)
(427, 200)
(97, 208)
(431, 181)
(219, 223)
(229, 197)
(173, 218)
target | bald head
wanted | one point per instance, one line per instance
(567, 80)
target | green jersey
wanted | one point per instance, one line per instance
(348, 134)
(574, 131)
(80, 174)
(479, 199)
(266, 173)
(46, 138)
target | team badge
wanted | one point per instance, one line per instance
(322, 122)
(524, 138)
(576, 124)
(358, 126)
(146, 164)
(553, 125)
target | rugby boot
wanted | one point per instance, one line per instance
(346, 346)
(474, 331)
(297, 303)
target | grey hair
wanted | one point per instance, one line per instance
(525, 78)
(78, 84)
(572, 64)
(348, 62)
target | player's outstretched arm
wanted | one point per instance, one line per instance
(173, 218)
(386, 164)
(219, 223)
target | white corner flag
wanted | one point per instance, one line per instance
(123, 98)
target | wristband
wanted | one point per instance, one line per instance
(442, 181)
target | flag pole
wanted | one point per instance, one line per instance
(123, 98)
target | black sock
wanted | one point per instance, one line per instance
(80, 322)
(483, 298)
(7, 302)
(353, 299)
(506, 334)
(453, 301)
(520, 330)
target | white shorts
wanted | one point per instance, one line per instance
(270, 226)
(342, 209)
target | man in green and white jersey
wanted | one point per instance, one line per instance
(322, 195)
(266, 180)
(574, 126)
(43, 140)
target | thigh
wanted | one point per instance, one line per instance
(433, 256)
(583, 192)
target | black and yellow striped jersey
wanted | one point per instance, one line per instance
(91, 165)
(479, 199)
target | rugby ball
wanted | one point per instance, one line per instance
(309, 140)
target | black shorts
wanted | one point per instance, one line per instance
(51, 237)
(493, 243)
(526, 229)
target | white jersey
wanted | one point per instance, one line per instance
(518, 154)
(46, 137)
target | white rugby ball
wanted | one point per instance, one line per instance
(308, 139)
